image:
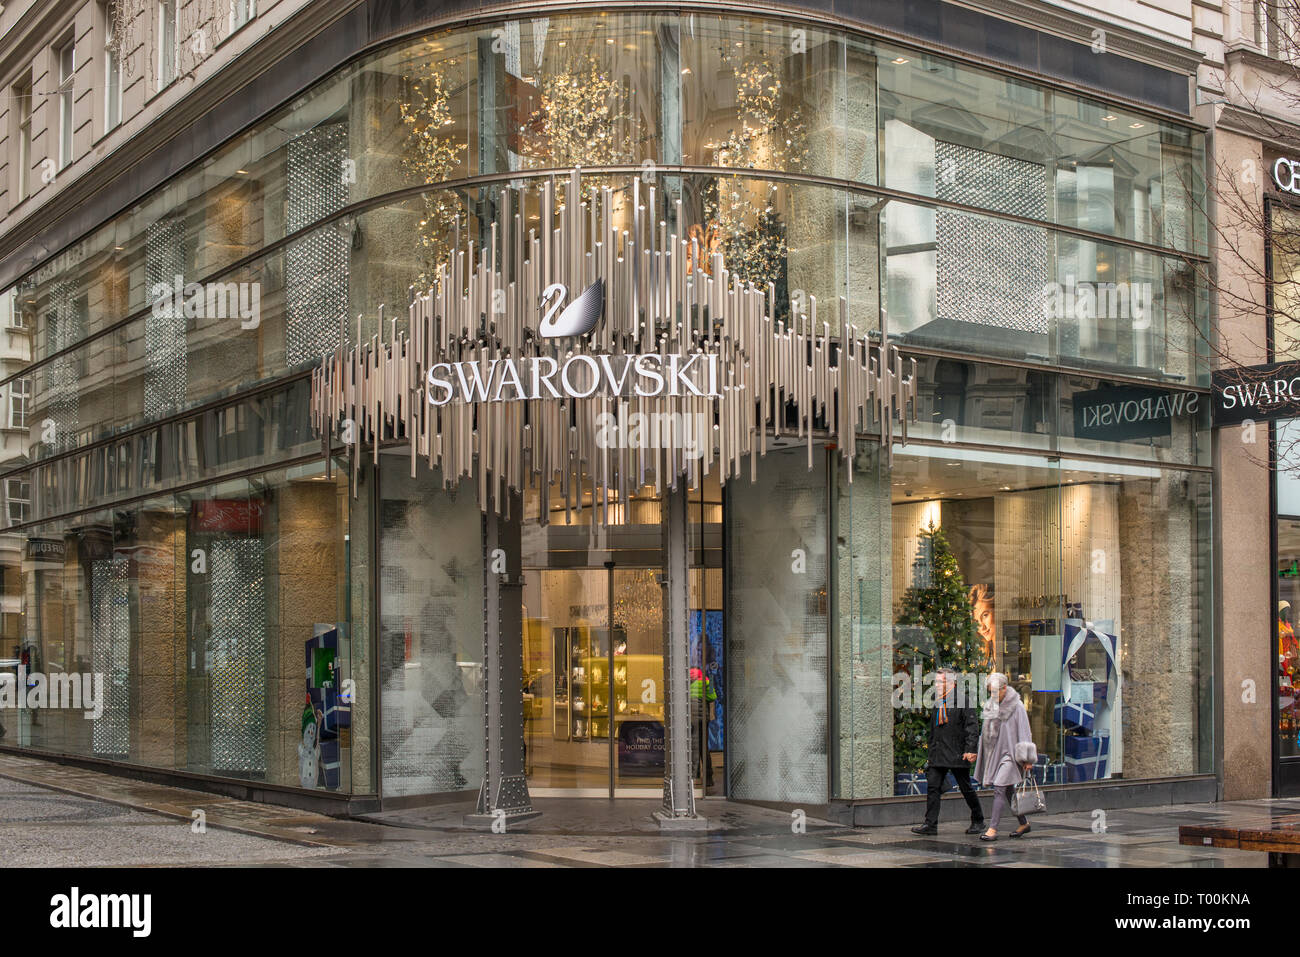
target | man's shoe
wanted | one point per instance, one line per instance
(925, 829)
(976, 827)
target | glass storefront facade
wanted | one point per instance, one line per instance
(265, 608)
(1284, 261)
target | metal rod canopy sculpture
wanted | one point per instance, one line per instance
(722, 361)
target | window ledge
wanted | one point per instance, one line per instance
(235, 32)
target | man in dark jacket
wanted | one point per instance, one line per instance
(954, 737)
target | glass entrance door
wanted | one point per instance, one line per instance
(594, 688)
(638, 679)
(593, 680)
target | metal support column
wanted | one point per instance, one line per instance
(678, 809)
(503, 797)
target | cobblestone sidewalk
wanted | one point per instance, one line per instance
(53, 815)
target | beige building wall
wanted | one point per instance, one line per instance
(1241, 528)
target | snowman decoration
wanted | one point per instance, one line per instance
(309, 748)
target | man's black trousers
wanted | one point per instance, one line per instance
(935, 778)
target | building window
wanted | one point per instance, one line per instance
(1275, 22)
(20, 392)
(167, 52)
(23, 97)
(67, 71)
(241, 11)
(112, 84)
(18, 498)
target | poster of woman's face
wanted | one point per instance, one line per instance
(981, 600)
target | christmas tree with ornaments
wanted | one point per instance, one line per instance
(938, 603)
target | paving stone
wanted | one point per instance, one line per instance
(51, 815)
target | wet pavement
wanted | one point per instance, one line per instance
(53, 815)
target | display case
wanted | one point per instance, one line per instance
(582, 681)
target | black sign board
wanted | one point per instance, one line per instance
(45, 549)
(1121, 413)
(1259, 393)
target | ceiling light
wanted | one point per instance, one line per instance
(1136, 126)
(242, 172)
(1108, 118)
(900, 60)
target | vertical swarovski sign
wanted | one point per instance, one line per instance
(502, 378)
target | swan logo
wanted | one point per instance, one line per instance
(579, 317)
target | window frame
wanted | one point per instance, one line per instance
(168, 59)
(65, 55)
(112, 83)
(23, 94)
(250, 8)
(19, 411)
(14, 496)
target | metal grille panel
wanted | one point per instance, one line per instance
(990, 271)
(166, 361)
(316, 267)
(237, 656)
(65, 326)
(110, 654)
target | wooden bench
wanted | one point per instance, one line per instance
(1280, 840)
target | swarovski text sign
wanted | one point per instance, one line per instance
(579, 376)
(1259, 393)
(1124, 413)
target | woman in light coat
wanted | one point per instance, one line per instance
(1006, 724)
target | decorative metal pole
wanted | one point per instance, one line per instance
(503, 797)
(678, 811)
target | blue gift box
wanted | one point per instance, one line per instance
(1039, 770)
(330, 764)
(1086, 757)
(1074, 715)
(1046, 772)
(912, 784)
(905, 784)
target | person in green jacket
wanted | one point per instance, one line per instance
(702, 703)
